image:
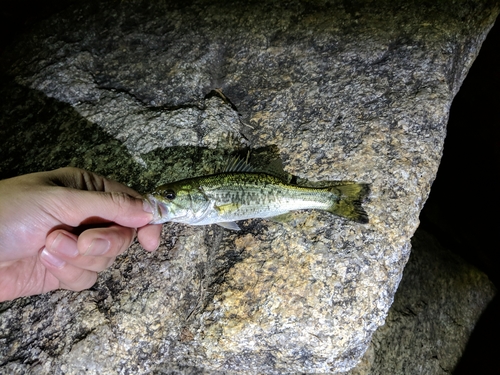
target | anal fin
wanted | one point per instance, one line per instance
(229, 225)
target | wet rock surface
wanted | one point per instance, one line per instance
(146, 93)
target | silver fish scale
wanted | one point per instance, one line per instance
(259, 195)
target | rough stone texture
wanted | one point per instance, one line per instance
(438, 301)
(344, 90)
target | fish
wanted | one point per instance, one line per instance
(230, 196)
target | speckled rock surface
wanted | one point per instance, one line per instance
(438, 302)
(132, 90)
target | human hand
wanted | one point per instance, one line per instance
(59, 228)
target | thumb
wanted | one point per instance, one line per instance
(76, 207)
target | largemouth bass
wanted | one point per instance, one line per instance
(227, 197)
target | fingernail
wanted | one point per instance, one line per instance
(98, 246)
(52, 259)
(64, 245)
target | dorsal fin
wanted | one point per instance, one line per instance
(273, 167)
(238, 164)
(263, 160)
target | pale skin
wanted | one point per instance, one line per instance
(59, 229)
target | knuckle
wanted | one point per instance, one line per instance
(120, 199)
(69, 170)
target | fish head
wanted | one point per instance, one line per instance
(174, 202)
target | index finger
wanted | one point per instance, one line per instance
(81, 179)
(75, 207)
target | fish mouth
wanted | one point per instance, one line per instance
(160, 210)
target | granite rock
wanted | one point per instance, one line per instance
(147, 92)
(438, 302)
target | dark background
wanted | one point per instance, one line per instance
(464, 206)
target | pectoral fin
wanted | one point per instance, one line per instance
(225, 209)
(229, 225)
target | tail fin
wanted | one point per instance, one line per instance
(348, 201)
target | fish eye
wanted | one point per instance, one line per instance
(170, 194)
